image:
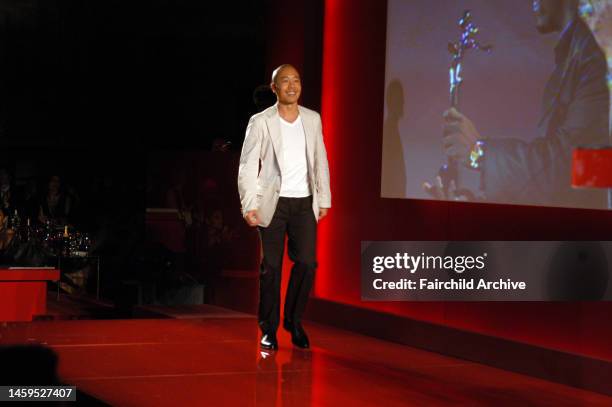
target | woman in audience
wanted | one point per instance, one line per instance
(7, 241)
(56, 204)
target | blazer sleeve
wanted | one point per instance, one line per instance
(248, 168)
(540, 171)
(322, 169)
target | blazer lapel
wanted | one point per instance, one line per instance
(309, 132)
(275, 135)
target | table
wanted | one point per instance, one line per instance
(23, 292)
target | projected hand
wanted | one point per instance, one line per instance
(252, 218)
(437, 191)
(460, 135)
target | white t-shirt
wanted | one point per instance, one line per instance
(295, 172)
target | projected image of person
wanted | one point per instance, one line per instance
(598, 15)
(575, 111)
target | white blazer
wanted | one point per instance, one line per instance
(260, 189)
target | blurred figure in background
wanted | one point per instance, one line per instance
(263, 98)
(7, 241)
(31, 200)
(7, 190)
(220, 145)
(56, 204)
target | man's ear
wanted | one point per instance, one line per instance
(273, 87)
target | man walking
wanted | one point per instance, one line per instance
(286, 197)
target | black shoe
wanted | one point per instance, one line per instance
(298, 335)
(268, 341)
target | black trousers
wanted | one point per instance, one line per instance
(295, 219)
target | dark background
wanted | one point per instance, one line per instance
(129, 74)
(102, 92)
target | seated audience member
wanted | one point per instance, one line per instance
(31, 201)
(7, 241)
(7, 190)
(56, 204)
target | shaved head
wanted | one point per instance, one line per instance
(286, 84)
(280, 68)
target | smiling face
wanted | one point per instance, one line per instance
(286, 85)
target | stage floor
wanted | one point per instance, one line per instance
(215, 361)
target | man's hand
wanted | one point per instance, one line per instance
(252, 218)
(460, 135)
(436, 191)
(323, 212)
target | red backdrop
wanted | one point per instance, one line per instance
(352, 109)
